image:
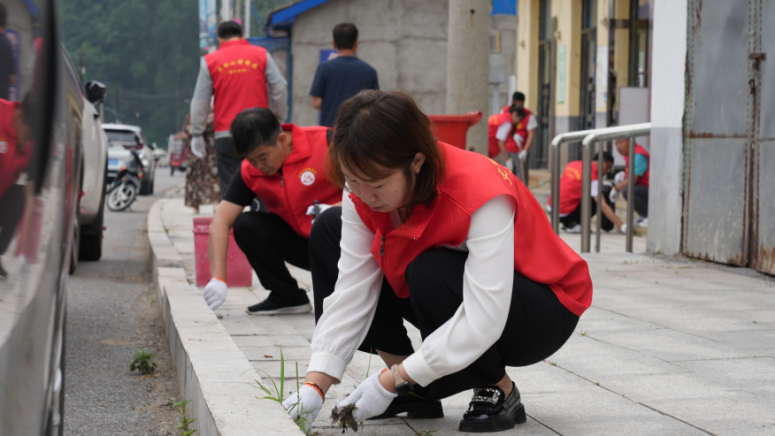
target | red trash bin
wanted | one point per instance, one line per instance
(238, 270)
(452, 129)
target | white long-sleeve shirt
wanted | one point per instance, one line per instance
(276, 85)
(476, 325)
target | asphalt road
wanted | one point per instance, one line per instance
(112, 312)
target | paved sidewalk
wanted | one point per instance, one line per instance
(668, 348)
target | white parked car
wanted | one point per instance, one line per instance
(162, 158)
(122, 138)
(88, 237)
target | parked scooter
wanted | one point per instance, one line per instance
(122, 192)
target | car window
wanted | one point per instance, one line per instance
(121, 136)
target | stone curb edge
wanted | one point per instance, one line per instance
(212, 371)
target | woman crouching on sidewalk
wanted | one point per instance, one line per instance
(448, 240)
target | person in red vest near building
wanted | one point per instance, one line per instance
(15, 150)
(434, 235)
(504, 141)
(237, 76)
(642, 167)
(284, 166)
(570, 196)
(526, 129)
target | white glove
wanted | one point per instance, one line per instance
(510, 165)
(198, 146)
(215, 293)
(305, 404)
(620, 177)
(370, 399)
(522, 155)
(614, 195)
(623, 228)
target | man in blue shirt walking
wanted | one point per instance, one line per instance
(340, 78)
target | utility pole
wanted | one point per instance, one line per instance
(246, 24)
(238, 11)
(468, 65)
(225, 10)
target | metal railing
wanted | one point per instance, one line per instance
(591, 137)
(555, 162)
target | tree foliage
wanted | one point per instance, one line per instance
(147, 49)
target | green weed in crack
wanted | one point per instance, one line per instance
(277, 396)
(143, 362)
(180, 407)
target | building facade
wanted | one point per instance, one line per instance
(713, 152)
(582, 64)
(404, 40)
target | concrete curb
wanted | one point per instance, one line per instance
(211, 370)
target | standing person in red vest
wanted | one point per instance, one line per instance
(284, 166)
(570, 196)
(443, 238)
(16, 120)
(642, 167)
(526, 129)
(237, 76)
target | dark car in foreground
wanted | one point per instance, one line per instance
(40, 158)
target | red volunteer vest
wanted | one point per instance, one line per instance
(493, 122)
(522, 126)
(303, 179)
(472, 180)
(238, 71)
(570, 186)
(644, 179)
(12, 161)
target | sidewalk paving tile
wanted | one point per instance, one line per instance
(668, 347)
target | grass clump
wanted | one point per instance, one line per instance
(180, 407)
(143, 362)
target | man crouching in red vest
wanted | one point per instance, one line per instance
(284, 166)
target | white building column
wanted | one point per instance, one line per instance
(667, 111)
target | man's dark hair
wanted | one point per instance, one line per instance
(253, 128)
(518, 96)
(518, 109)
(607, 157)
(345, 35)
(3, 15)
(229, 29)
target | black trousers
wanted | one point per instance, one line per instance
(268, 242)
(574, 217)
(537, 326)
(641, 199)
(228, 163)
(12, 204)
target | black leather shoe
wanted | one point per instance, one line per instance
(489, 411)
(417, 404)
(266, 307)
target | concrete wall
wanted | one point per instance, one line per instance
(667, 112)
(404, 40)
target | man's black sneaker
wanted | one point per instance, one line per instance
(417, 404)
(3, 273)
(489, 411)
(267, 307)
